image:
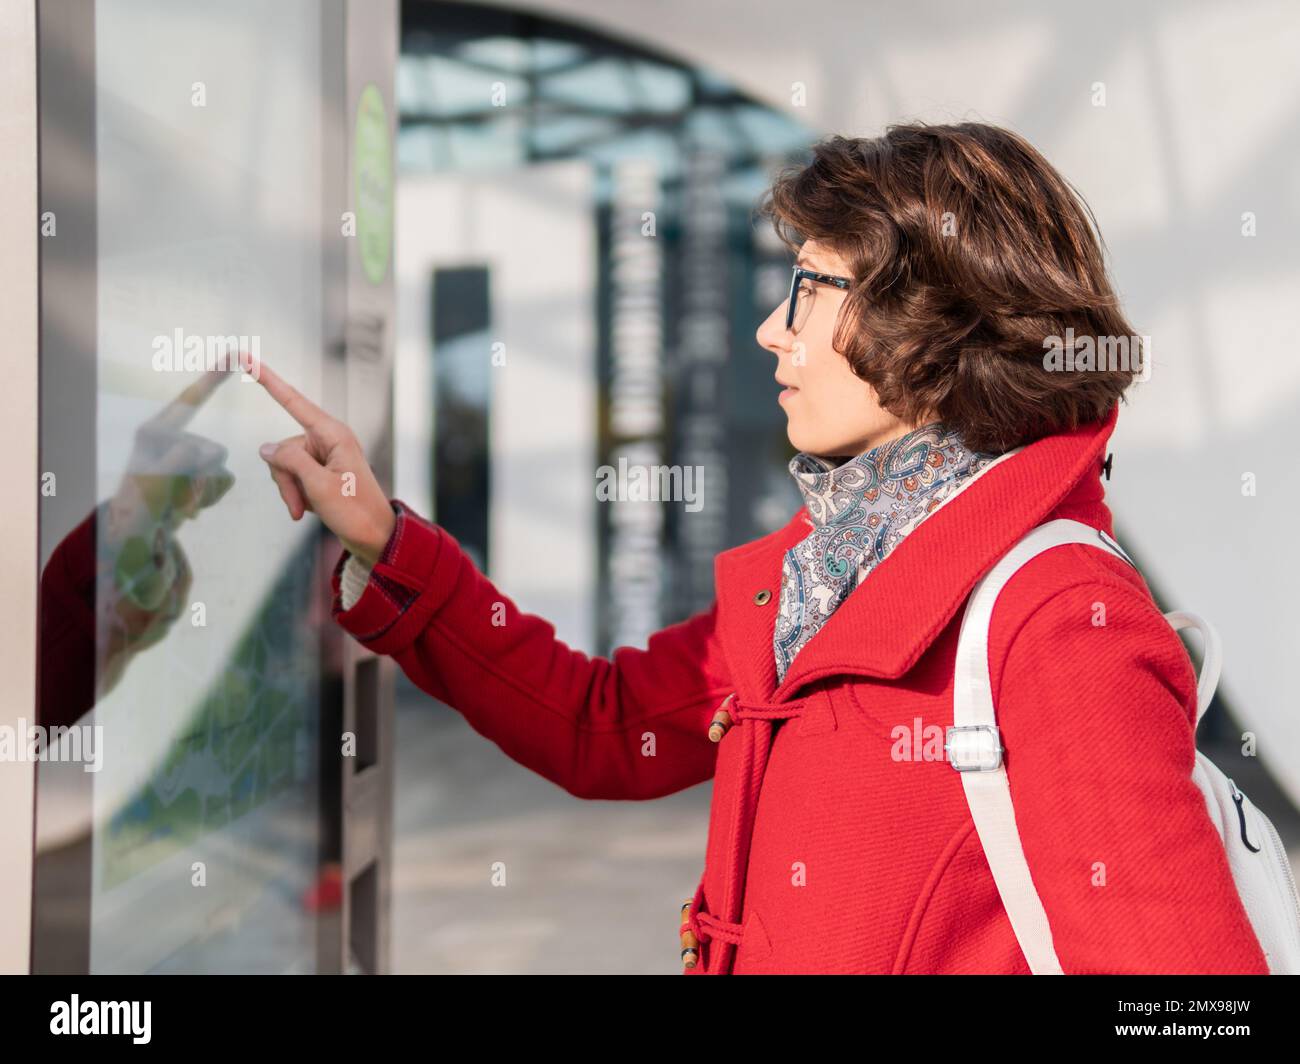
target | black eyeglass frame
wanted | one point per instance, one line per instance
(801, 274)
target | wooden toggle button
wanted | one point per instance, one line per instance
(689, 946)
(721, 722)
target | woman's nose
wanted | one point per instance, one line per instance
(772, 334)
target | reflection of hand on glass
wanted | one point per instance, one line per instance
(144, 576)
(117, 581)
(324, 470)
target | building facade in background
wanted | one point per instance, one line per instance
(622, 342)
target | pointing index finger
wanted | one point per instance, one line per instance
(174, 416)
(300, 408)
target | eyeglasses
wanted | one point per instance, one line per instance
(800, 274)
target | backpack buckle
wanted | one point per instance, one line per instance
(974, 747)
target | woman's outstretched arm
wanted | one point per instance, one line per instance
(631, 726)
(634, 725)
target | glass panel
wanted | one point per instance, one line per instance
(204, 668)
(205, 809)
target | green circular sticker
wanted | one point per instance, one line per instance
(374, 169)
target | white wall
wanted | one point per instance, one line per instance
(18, 441)
(535, 231)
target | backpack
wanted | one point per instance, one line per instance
(1255, 853)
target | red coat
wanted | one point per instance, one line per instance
(829, 848)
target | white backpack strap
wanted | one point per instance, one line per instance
(974, 744)
(1211, 658)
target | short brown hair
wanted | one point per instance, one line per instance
(968, 251)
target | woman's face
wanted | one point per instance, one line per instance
(830, 411)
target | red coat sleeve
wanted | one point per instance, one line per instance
(631, 726)
(67, 626)
(1098, 723)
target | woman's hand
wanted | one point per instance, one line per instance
(324, 470)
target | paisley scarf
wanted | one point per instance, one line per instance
(860, 511)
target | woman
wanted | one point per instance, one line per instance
(938, 267)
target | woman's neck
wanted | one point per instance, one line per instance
(895, 432)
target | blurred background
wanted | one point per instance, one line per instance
(557, 256)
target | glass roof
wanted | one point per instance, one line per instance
(488, 88)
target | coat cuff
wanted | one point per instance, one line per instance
(403, 591)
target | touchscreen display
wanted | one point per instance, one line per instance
(202, 677)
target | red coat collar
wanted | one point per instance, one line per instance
(887, 623)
